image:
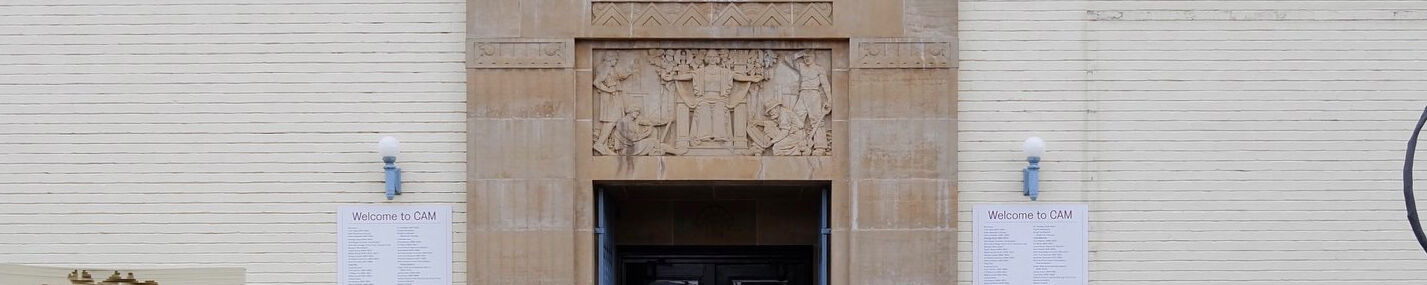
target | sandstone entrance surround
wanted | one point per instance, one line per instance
(563, 93)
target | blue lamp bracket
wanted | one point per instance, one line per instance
(393, 177)
(1030, 178)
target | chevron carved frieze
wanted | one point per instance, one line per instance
(711, 14)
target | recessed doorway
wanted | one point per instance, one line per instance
(711, 232)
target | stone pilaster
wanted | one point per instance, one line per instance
(520, 124)
(903, 161)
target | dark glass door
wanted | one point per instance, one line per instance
(716, 265)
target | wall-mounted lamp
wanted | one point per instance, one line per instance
(388, 149)
(1030, 177)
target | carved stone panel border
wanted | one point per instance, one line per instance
(904, 53)
(712, 19)
(711, 13)
(520, 53)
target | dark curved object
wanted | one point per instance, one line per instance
(1407, 184)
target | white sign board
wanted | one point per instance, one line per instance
(1024, 244)
(398, 245)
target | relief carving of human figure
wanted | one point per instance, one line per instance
(611, 100)
(635, 134)
(712, 85)
(813, 99)
(784, 133)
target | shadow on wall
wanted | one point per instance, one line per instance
(36, 275)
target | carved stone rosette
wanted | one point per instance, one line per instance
(653, 102)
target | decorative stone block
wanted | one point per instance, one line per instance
(520, 53)
(903, 53)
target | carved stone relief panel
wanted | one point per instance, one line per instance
(712, 102)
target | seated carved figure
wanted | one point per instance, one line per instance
(711, 101)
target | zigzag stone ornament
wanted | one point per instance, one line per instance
(711, 14)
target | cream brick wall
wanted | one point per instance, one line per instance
(184, 133)
(1216, 142)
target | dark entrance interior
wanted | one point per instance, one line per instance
(711, 233)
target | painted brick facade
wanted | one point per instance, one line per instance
(1216, 142)
(195, 133)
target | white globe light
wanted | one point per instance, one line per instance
(1035, 147)
(388, 147)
